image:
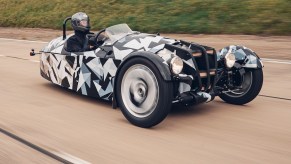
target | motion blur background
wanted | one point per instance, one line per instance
(264, 17)
(76, 127)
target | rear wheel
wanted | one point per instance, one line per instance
(144, 97)
(249, 89)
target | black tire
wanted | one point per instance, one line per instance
(161, 103)
(250, 94)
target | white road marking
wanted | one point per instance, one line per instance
(71, 158)
(267, 60)
(19, 40)
(35, 61)
(278, 61)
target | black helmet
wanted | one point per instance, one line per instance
(81, 22)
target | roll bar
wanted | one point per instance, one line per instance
(64, 27)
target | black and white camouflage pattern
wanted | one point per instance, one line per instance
(90, 73)
(87, 75)
(248, 57)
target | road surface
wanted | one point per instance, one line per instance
(85, 130)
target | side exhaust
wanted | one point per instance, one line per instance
(192, 98)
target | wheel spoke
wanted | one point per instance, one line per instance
(244, 88)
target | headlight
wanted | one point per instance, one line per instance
(176, 65)
(229, 60)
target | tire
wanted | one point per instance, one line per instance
(143, 96)
(253, 82)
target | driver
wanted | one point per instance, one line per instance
(78, 42)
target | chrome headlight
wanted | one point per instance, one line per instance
(176, 65)
(229, 60)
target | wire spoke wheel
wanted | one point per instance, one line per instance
(249, 89)
(245, 86)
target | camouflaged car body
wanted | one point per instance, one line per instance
(93, 73)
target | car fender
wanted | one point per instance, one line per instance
(158, 61)
(161, 65)
(245, 57)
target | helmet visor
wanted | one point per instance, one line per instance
(84, 23)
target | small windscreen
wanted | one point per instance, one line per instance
(117, 32)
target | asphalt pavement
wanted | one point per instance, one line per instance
(87, 130)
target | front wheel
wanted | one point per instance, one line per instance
(249, 89)
(144, 97)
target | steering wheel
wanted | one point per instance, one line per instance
(98, 34)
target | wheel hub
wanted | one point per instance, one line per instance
(138, 92)
(243, 88)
